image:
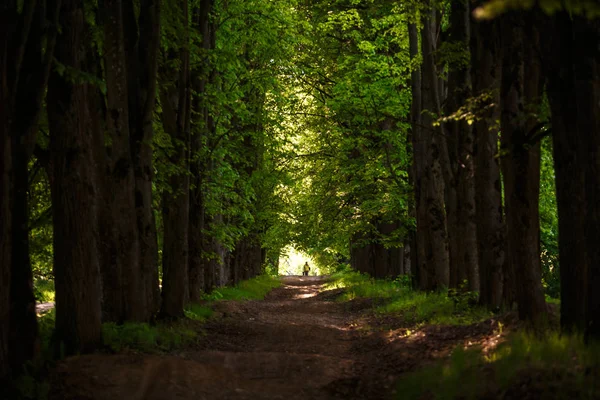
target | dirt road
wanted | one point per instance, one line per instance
(296, 344)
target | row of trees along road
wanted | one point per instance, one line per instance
(141, 128)
(188, 141)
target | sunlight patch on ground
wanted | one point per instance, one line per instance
(305, 295)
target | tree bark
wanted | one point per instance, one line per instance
(436, 244)
(198, 158)
(142, 66)
(422, 275)
(488, 188)
(521, 90)
(5, 203)
(27, 40)
(176, 120)
(586, 36)
(76, 258)
(122, 281)
(460, 139)
(569, 152)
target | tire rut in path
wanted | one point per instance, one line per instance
(295, 344)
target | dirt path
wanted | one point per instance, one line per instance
(296, 344)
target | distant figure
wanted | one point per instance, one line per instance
(305, 269)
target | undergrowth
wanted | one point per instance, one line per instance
(253, 289)
(554, 366)
(164, 336)
(397, 297)
(43, 290)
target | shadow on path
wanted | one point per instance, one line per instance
(297, 343)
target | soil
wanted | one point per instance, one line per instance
(298, 343)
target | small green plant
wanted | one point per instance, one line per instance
(556, 366)
(198, 312)
(46, 325)
(147, 338)
(456, 307)
(252, 289)
(405, 281)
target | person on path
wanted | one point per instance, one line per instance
(305, 269)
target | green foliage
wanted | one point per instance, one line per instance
(43, 290)
(253, 289)
(148, 338)
(40, 220)
(198, 312)
(493, 8)
(46, 323)
(549, 223)
(452, 308)
(163, 336)
(554, 366)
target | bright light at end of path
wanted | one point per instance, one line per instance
(292, 261)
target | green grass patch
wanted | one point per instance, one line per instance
(43, 290)
(198, 312)
(415, 306)
(252, 289)
(164, 336)
(552, 300)
(555, 366)
(148, 338)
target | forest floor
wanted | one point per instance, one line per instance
(297, 343)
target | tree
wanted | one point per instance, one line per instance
(435, 266)
(570, 58)
(520, 94)
(485, 71)
(142, 47)
(129, 250)
(205, 27)
(176, 116)
(72, 115)
(24, 68)
(460, 141)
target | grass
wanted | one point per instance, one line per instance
(253, 289)
(162, 336)
(397, 297)
(554, 366)
(198, 312)
(148, 338)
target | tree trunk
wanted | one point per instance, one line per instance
(436, 244)
(122, 281)
(5, 207)
(422, 275)
(586, 36)
(198, 162)
(176, 119)
(569, 150)
(460, 139)
(488, 188)
(521, 90)
(27, 41)
(76, 258)
(142, 64)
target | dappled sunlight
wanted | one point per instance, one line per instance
(405, 334)
(305, 295)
